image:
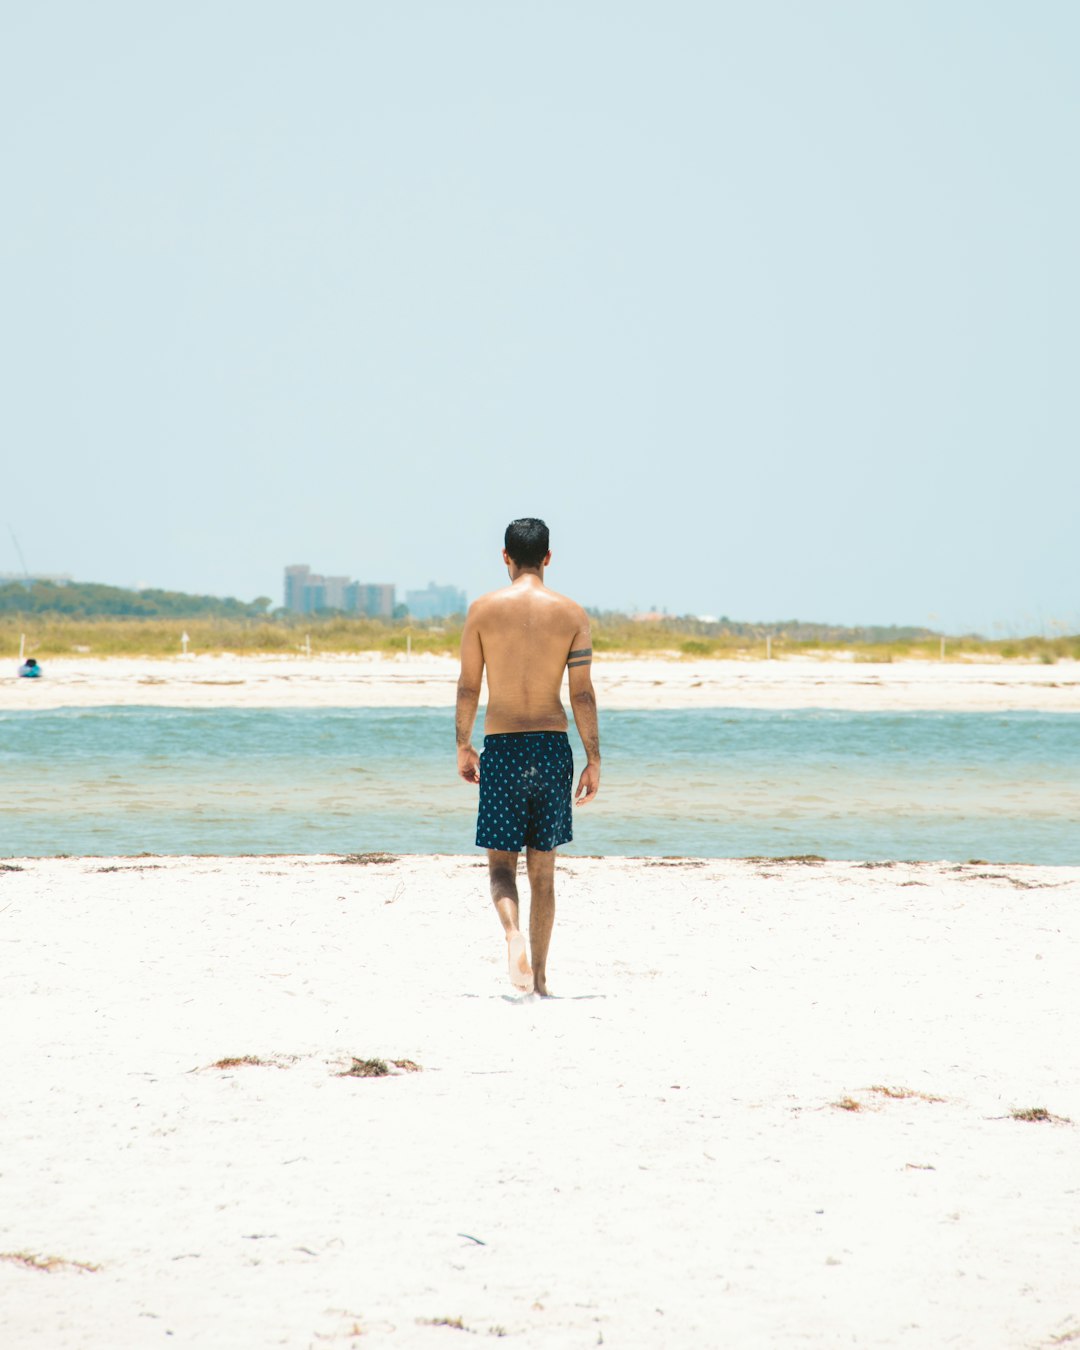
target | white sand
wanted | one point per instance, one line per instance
(651, 1160)
(362, 681)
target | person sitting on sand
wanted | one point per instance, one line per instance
(526, 636)
(29, 670)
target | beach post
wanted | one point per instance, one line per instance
(408, 646)
(943, 649)
(307, 644)
(22, 648)
(768, 647)
(184, 640)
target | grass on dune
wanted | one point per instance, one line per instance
(51, 636)
(54, 637)
(1030, 649)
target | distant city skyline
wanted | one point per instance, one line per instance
(768, 310)
(308, 592)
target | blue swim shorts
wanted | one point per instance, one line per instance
(526, 786)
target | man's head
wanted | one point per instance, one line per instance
(526, 542)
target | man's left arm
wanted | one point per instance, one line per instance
(583, 704)
(468, 698)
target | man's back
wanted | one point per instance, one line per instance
(523, 636)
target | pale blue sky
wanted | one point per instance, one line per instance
(770, 309)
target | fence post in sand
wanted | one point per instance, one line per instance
(184, 640)
(768, 647)
(943, 649)
(22, 648)
(408, 646)
(307, 645)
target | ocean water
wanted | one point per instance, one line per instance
(1004, 787)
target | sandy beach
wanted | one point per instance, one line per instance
(645, 683)
(692, 1145)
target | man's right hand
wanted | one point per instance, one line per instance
(588, 784)
(468, 764)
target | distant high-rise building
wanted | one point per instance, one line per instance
(306, 592)
(377, 601)
(436, 602)
(333, 592)
(296, 580)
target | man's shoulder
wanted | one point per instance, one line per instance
(486, 602)
(569, 606)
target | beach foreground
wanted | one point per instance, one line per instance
(771, 1105)
(367, 680)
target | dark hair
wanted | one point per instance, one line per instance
(526, 541)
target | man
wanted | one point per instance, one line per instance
(526, 636)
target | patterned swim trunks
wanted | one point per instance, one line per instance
(526, 783)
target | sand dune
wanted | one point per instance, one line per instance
(667, 1154)
(429, 681)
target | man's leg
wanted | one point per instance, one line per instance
(502, 871)
(541, 865)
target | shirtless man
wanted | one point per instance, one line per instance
(526, 636)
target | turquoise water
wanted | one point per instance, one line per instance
(721, 783)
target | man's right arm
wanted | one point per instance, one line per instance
(583, 704)
(468, 697)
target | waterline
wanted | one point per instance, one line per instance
(720, 783)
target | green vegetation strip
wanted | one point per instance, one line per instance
(83, 619)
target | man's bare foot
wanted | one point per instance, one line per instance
(521, 976)
(540, 985)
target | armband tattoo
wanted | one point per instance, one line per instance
(581, 657)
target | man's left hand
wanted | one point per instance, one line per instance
(468, 764)
(588, 785)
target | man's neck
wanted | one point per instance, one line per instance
(527, 575)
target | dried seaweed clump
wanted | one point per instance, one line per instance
(1035, 1114)
(238, 1061)
(377, 1068)
(31, 1261)
(904, 1094)
(365, 1068)
(807, 859)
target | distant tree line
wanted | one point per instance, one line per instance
(89, 600)
(795, 630)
